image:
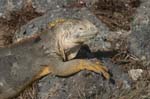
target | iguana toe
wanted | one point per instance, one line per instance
(95, 67)
(98, 68)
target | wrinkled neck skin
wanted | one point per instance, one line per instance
(65, 48)
(56, 44)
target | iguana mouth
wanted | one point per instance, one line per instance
(84, 38)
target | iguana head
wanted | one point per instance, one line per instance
(72, 34)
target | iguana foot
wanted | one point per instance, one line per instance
(95, 67)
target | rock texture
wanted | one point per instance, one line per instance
(40, 23)
(140, 37)
(86, 85)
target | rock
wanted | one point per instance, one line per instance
(135, 73)
(7, 6)
(45, 5)
(85, 85)
(38, 24)
(140, 37)
(55, 9)
(41, 6)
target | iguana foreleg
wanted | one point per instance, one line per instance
(73, 66)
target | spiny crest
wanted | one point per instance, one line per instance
(56, 22)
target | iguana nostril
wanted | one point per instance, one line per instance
(24, 33)
(93, 29)
(77, 36)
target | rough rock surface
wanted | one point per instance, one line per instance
(140, 37)
(40, 23)
(6, 6)
(86, 85)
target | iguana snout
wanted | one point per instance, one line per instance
(72, 34)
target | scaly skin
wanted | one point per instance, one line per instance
(50, 52)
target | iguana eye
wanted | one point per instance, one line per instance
(81, 28)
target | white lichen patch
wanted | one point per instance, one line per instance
(135, 73)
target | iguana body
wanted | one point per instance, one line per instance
(47, 53)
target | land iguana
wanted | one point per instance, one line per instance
(49, 52)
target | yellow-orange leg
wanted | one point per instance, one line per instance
(73, 66)
(76, 65)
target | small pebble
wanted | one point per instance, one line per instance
(135, 73)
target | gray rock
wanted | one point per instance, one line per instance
(41, 23)
(140, 37)
(41, 6)
(2, 8)
(7, 6)
(45, 5)
(53, 9)
(85, 85)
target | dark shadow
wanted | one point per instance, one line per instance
(85, 53)
(112, 81)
